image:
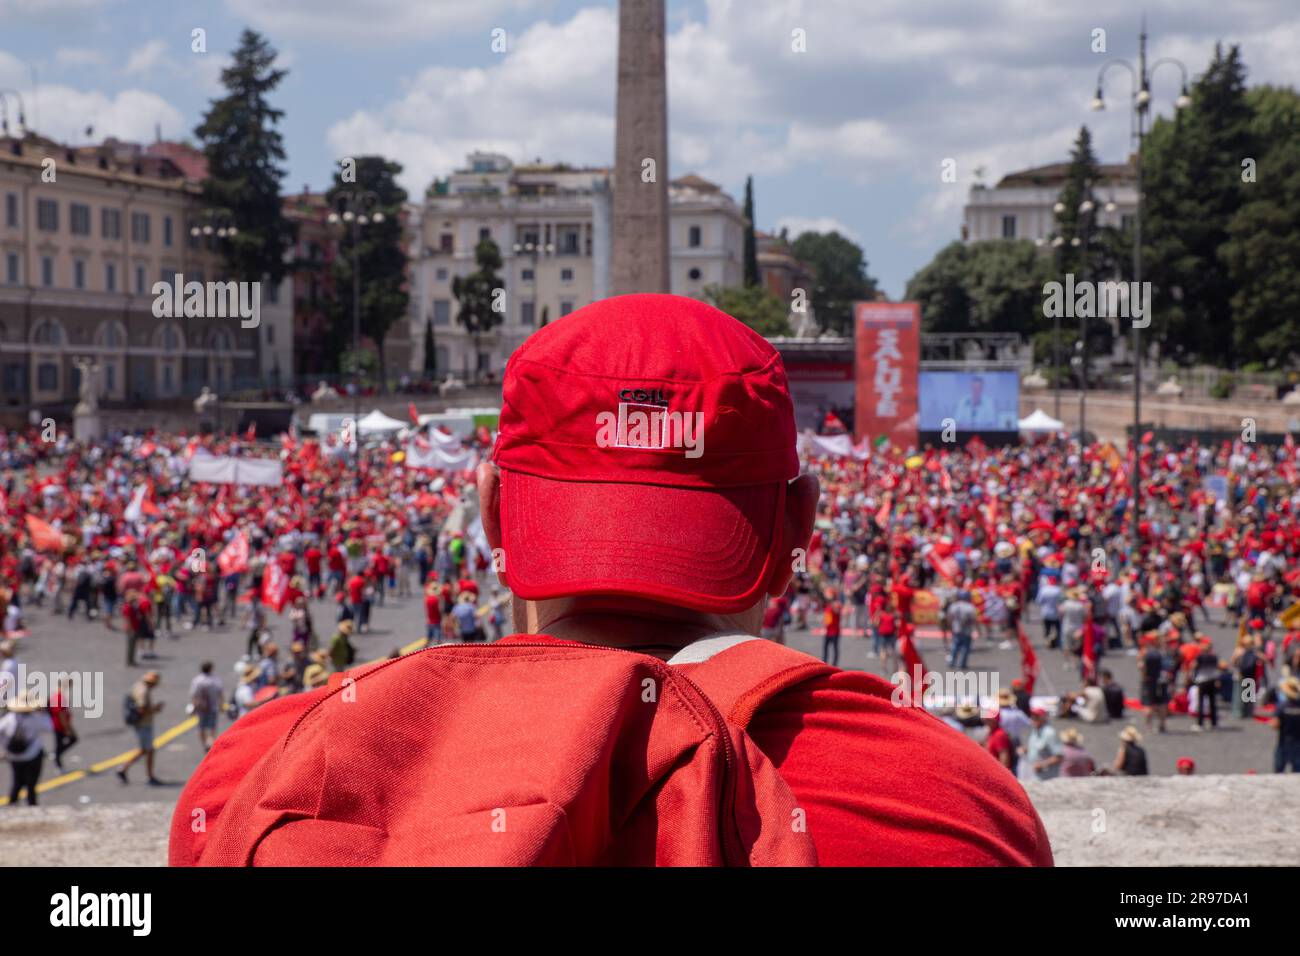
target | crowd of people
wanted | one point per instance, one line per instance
(115, 534)
(982, 545)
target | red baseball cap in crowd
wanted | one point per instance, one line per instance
(644, 446)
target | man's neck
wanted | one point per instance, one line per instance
(654, 630)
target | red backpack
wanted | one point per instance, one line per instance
(521, 753)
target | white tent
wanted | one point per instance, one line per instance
(1041, 423)
(377, 423)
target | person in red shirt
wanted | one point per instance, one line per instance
(672, 556)
(432, 613)
(313, 557)
(831, 621)
(356, 588)
(999, 742)
(338, 564)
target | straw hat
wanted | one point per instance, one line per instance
(315, 676)
(1071, 736)
(22, 703)
(965, 711)
(1291, 687)
(1130, 735)
(249, 675)
(1006, 698)
(345, 627)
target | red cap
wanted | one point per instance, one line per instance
(645, 444)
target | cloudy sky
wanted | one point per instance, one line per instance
(850, 132)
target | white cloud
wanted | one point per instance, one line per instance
(144, 58)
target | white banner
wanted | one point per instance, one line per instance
(236, 471)
(457, 459)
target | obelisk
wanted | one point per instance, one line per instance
(640, 180)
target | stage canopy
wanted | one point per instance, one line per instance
(1041, 423)
(377, 423)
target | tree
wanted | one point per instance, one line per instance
(754, 305)
(1072, 224)
(481, 295)
(994, 286)
(430, 351)
(1193, 190)
(1263, 250)
(841, 277)
(384, 298)
(244, 151)
(751, 243)
(546, 316)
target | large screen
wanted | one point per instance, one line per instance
(975, 401)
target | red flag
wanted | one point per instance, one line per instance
(882, 516)
(275, 587)
(946, 565)
(233, 558)
(1028, 659)
(252, 431)
(45, 537)
(914, 667)
(415, 416)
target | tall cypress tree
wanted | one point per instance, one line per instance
(751, 243)
(244, 151)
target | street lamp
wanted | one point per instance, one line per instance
(1058, 242)
(1085, 227)
(356, 206)
(1140, 100)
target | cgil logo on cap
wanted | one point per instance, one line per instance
(643, 420)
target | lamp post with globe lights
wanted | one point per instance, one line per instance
(1140, 103)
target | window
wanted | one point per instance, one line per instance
(270, 333)
(168, 377)
(47, 377)
(441, 275)
(566, 275)
(79, 273)
(526, 275)
(484, 233)
(445, 243)
(48, 333)
(566, 308)
(272, 292)
(11, 209)
(568, 240)
(11, 268)
(695, 275)
(47, 215)
(110, 223)
(167, 230)
(526, 316)
(139, 280)
(140, 227)
(1126, 221)
(1008, 227)
(110, 277)
(79, 219)
(110, 377)
(442, 312)
(47, 271)
(694, 236)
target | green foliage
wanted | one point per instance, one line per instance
(477, 294)
(245, 151)
(842, 277)
(751, 243)
(983, 287)
(1263, 248)
(378, 245)
(754, 305)
(430, 349)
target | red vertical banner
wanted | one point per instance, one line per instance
(888, 340)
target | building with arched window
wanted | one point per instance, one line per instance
(83, 262)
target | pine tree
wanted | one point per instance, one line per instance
(244, 151)
(751, 242)
(430, 351)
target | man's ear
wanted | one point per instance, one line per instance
(489, 507)
(796, 528)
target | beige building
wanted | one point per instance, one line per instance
(552, 226)
(85, 234)
(1020, 205)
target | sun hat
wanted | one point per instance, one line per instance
(644, 448)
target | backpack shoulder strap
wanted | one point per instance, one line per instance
(740, 673)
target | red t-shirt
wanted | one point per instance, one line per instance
(999, 742)
(313, 558)
(832, 620)
(774, 613)
(432, 610)
(882, 785)
(356, 588)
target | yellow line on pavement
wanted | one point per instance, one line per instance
(166, 737)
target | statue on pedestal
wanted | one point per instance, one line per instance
(86, 423)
